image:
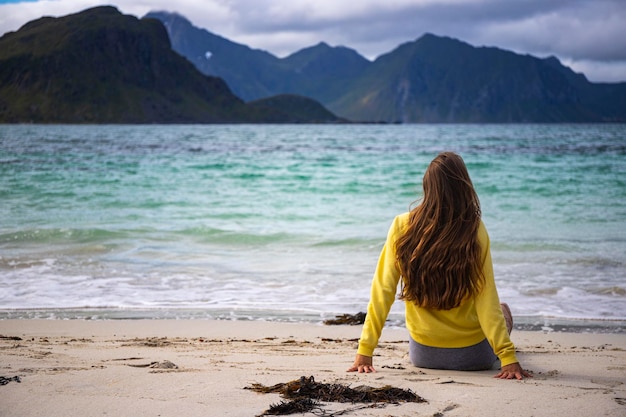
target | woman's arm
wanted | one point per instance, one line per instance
(489, 310)
(383, 292)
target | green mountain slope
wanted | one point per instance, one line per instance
(100, 66)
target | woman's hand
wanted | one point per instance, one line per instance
(362, 364)
(513, 371)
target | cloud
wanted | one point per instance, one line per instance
(15, 15)
(591, 31)
(16, 1)
(589, 35)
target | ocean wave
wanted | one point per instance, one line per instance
(612, 291)
(236, 238)
(51, 236)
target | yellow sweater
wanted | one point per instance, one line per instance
(476, 319)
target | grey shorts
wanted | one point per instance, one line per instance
(478, 357)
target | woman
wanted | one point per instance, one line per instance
(441, 251)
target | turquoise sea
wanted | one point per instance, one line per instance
(285, 222)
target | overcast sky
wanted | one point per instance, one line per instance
(587, 35)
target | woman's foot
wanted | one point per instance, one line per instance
(508, 318)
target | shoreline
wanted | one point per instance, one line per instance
(521, 323)
(118, 367)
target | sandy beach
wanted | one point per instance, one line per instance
(202, 368)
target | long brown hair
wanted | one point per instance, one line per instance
(439, 254)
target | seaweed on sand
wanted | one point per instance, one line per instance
(351, 319)
(303, 389)
(299, 405)
(5, 380)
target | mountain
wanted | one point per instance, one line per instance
(432, 79)
(315, 72)
(99, 66)
(250, 73)
(439, 79)
(323, 71)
